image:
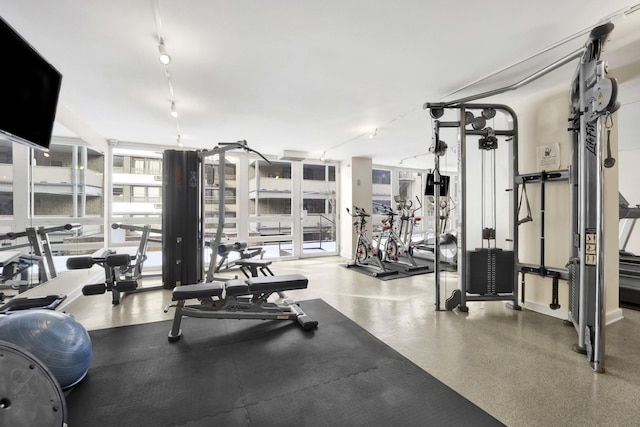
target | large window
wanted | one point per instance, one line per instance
(62, 191)
(381, 190)
(212, 180)
(137, 186)
(381, 176)
(66, 185)
(270, 188)
(67, 182)
(318, 203)
(270, 206)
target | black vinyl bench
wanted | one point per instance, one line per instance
(235, 287)
(240, 299)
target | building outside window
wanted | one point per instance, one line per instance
(381, 190)
(6, 178)
(137, 185)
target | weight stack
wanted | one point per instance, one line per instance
(182, 253)
(491, 271)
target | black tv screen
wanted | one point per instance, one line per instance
(30, 89)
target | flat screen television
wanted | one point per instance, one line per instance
(30, 90)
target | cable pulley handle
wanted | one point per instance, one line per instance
(358, 212)
(420, 203)
(609, 162)
(524, 195)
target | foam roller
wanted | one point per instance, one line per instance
(126, 285)
(225, 247)
(307, 323)
(239, 246)
(95, 289)
(80, 262)
(118, 260)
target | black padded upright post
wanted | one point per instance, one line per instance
(182, 253)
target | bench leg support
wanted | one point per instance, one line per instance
(176, 332)
(303, 319)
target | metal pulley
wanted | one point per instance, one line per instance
(602, 98)
(438, 147)
(489, 141)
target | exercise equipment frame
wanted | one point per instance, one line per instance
(593, 99)
(460, 296)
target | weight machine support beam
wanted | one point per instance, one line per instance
(129, 227)
(436, 210)
(535, 76)
(219, 150)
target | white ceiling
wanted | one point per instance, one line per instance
(300, 74)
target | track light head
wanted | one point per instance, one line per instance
(164, 56)
(174, 112)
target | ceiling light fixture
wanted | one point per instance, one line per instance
(375, 132)
(165, 59)
(164, 56)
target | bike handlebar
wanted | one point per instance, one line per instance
(358, 212)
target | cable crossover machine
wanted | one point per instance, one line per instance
(490, 273)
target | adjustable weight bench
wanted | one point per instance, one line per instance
(239, 299)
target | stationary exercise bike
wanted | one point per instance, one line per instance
(395, 250)
(408, 220)
(366, 254)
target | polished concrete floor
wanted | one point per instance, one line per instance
(516, 365)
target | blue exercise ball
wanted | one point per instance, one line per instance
(60, 342)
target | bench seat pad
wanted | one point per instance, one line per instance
(212, 289)
(277, 283)
(237, 287)
(253, 262)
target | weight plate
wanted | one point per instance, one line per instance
(29, 393)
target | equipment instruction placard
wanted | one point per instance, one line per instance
(548, 157)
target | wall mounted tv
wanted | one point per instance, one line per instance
(30, 89)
